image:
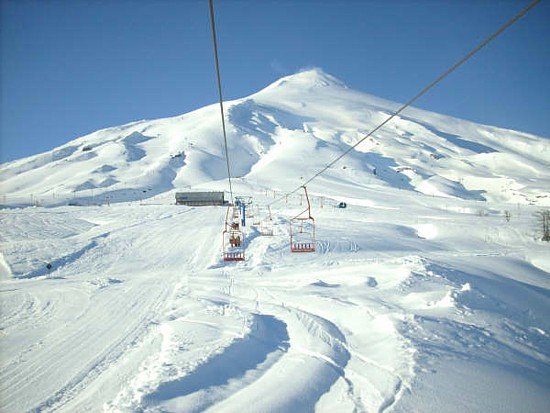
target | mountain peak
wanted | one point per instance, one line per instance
(314, 77)
(292, 128)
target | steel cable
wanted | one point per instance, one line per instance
(447, 72)
(216, 59)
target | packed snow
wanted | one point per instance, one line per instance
(429, 292)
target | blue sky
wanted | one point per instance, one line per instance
(69, 68)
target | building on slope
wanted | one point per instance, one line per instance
(200, 198)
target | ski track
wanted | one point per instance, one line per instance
(306, 331)
(102, 331)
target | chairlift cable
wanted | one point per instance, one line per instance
(216, 59)
(422, 92)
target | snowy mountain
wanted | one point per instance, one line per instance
(429, 292)
(286, 132)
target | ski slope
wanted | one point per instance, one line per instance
(394, 312)
(421, 295)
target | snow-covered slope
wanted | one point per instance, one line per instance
(429, 292)
(407, 306)
(284, 133)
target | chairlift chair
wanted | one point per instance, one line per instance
(302, 234)
(266, 225)
(255, 214)
(233, 245)
(233, 236)
(302, 230)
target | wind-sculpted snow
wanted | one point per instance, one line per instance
(214, 380)
(460, 142)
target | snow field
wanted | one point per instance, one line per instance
(382, 317)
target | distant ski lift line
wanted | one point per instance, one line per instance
(423, 91)
(219, 84)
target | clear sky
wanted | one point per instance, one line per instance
(71, 67)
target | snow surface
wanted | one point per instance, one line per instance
(421, 295)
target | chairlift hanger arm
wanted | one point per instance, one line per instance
(308, 209)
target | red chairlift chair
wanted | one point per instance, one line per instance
(233, 237)
(302, 230)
